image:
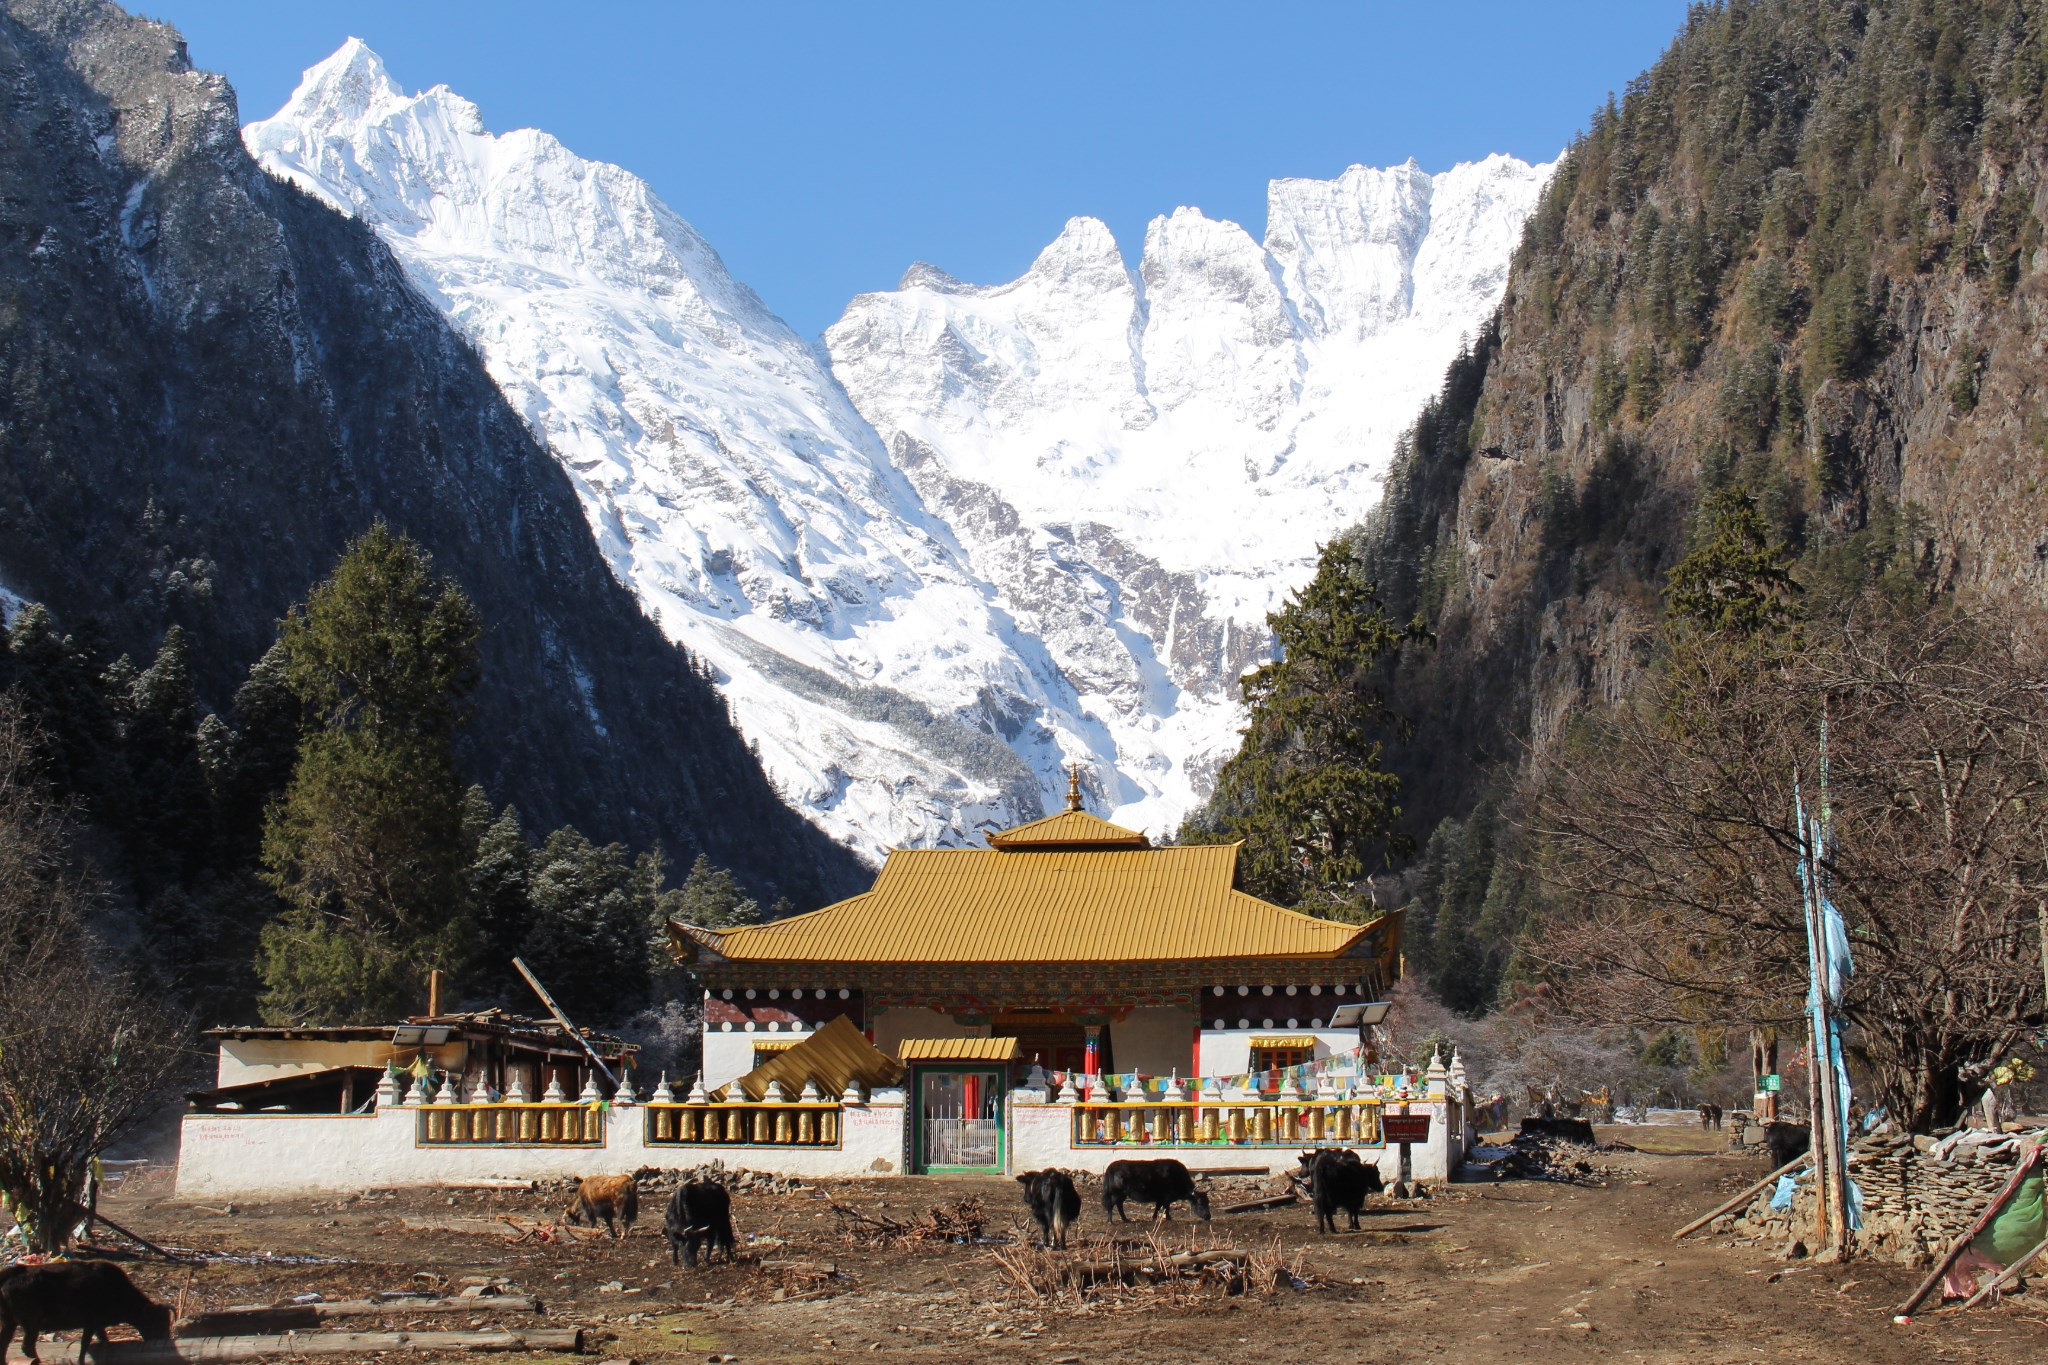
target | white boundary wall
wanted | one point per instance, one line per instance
(1041, 1134)
(285, 1154)
(275, 1155)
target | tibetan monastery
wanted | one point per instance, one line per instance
(1068, 941)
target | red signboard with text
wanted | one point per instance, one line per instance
(1405, 1127)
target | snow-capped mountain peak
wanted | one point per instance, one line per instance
(1011, 526)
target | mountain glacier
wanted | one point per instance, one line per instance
(988, 530)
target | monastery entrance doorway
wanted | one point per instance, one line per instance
(958, 1119)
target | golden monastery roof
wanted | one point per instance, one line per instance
(1049, 901)
(1068, 828)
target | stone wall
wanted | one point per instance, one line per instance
(1919, 1193)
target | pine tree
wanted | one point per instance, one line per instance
(588, 932)
(171, 831)
(366, 847)
(499, 877)
(1737, 580)
(1307, 793)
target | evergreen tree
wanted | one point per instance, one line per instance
(499, 879)
(366, 847)
(1737, 580)
(1307, 793)
(251, 769)
(172, 825)
(590, 908)
(712, 898)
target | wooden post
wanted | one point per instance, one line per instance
(2005, 1276)
(434, 993)
(1711, 1214)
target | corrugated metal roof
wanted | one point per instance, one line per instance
(1050, 905)
(957, 1050)
(832, 1056)
(1284, 1040)
(1069, 827)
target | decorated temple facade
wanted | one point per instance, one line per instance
(1069, 944)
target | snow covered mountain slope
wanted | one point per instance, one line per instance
(724, 474)
(1048, 524)
(1143, 463)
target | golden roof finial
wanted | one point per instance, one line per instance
(1073, 786)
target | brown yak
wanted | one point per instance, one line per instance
(613, 1200)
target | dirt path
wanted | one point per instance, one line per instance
(1478, 1274)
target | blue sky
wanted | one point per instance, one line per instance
(823, 148)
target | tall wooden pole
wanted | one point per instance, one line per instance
(563, 1020)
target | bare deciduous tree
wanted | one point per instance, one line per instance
(1669, 832)
(84, 1056)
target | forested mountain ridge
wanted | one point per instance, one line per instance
(212, 383)
(1800, 254)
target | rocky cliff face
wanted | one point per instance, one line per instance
(214, 382)
(1803, 253)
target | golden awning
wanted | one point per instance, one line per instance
(957, 1050)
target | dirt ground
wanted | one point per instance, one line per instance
(1477, 1273)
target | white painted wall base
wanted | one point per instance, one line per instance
(251, 1155)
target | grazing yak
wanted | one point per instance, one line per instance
(699, 1213)
(613, 1200)
(66, 1296)
(1338, 1179)
(1055, 1204)
(1162, 1183)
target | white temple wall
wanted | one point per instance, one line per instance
(1228, 1051)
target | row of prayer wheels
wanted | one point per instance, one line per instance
(532, 1123)
(766, 1125)
(1254, 1123)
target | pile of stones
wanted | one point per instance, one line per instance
(1920, 1192)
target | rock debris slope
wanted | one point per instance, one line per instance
(1008, 528)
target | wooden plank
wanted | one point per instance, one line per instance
(566, 1339)
(491, 1182)
(1271, 1201)
(563, 1020)
(1719, 1209)
(283, 1317)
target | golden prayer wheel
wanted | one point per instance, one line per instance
(593, 1124)
(1315, 1125)
(807, 1126)
(507, 1125)
(735, 1125)
(1262, 1124)
(677, 1125)
(1186, 1126)
(529, 1125)
(482, 1123)
(1237, 1125)
(550, 1125)
(1207, 1125)
(828, 1127)
(785, 1127)
(437, 1125)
